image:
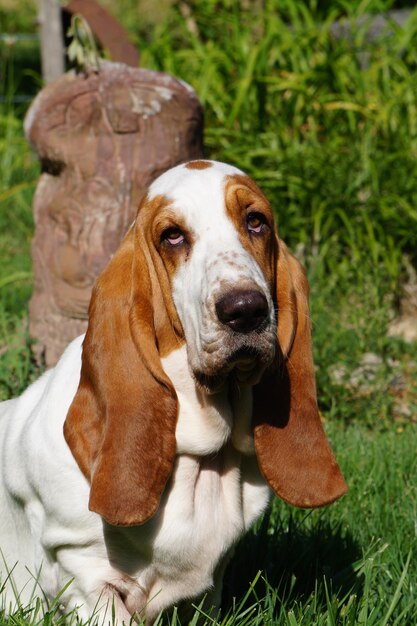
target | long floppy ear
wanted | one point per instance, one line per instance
(293, 452)
(121, 424)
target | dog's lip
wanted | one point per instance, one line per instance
(241, 364)
(211, 383)
(244, 357)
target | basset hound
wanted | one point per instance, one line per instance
(133, 467)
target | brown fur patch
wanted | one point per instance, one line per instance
(121, 424)
(293, 452)
(243, 194)
(153, 216)
(198, 165)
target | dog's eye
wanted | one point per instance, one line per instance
(173, 236)
(255, 222)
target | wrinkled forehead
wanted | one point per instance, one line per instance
(195, 190)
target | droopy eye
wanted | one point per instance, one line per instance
(173, 236)
(256, 222)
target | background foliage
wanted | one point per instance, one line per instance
(327, 126)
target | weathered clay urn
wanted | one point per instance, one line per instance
(102, 137)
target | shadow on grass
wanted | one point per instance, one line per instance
(296, 560)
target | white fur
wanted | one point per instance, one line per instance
(47, 533)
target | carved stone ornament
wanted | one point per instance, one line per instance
(101, 138)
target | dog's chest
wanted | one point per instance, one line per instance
(207, 508)
(208, 505)
(214, 495)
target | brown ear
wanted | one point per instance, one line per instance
(121, 424)
(293, 452)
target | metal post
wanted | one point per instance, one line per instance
(52, 42)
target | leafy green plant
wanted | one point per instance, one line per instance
(19, 171)
(329, 124)
(82, 50)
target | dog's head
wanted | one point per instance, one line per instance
(215, 234)
(202, 264)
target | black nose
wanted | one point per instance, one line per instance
(242, 310)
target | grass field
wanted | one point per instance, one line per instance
(328, 128)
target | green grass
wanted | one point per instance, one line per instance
(18, 175)
(328, 128)
(349, 564)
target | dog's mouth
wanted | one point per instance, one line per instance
(245, 365)
(237, 341)
(244, 357)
